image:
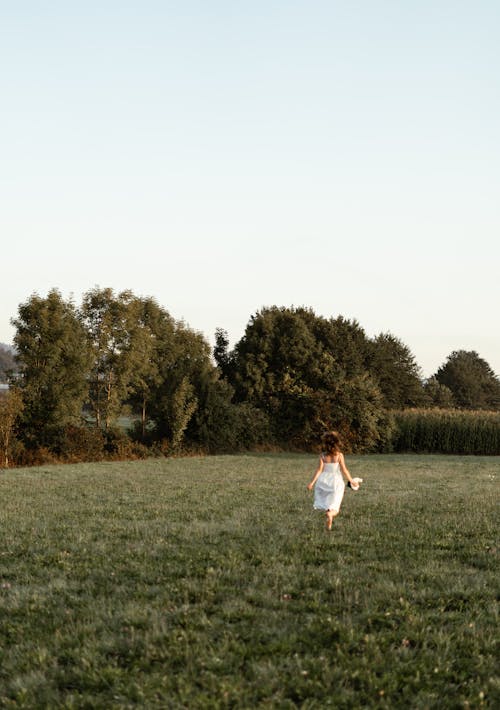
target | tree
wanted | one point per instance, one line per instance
(298, 368)
(394, 369)
(438, 395)
(355, 409)
(11, 407)
(151, 344)
(172, 367)
(180, 409)
(221, 353)
(110, 323)
(471, 380)
(142, 357)
(221, 425)
(53, 358)
(276, 358)
(344, 339)
(184, 366)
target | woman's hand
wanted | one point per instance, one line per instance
(310, 486)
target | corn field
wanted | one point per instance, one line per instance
(447, 431)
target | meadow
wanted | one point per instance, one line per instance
(211, 583)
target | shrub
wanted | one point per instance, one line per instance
(118, 446)
(40, 456)
(81, 443)
(229, 428)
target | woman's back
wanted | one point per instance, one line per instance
(330, 458)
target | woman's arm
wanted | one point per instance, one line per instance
(316, 475)
(344, 468)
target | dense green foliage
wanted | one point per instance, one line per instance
(293, 374)
(54, 359)
(118, 589)
(471, 380)
(309, 373)
(119, 354)
(110, 325)
(396, 372)
(447, 431)
(438, 395)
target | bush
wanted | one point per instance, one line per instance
(81, 443)
(252, 427)
(354, 410)
(230, 428)
(40, 456)
(78, 444)
(118, 446)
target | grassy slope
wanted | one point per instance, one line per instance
(210, 582)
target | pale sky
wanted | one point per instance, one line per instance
(222, 156)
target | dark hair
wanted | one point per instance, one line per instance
(331, 442)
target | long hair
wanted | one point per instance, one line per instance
(331, 443)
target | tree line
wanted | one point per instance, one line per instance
(79, 370)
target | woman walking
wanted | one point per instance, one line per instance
(328, 482)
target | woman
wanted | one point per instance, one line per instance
(328, 482)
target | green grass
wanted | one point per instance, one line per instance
(211, 583)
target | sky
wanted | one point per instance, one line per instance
(223, 156)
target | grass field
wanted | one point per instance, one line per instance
(211, 583)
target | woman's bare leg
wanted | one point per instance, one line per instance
(330, 515)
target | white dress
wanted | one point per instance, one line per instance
(329, 488)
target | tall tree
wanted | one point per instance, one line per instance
(222, 356)
(276, 358)
(344, 339)
(185, 365)
(394, 368)
(152, 346)
(299, 367)
(143, 357)
(471, 380)
(110, 322)
(53, 358)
